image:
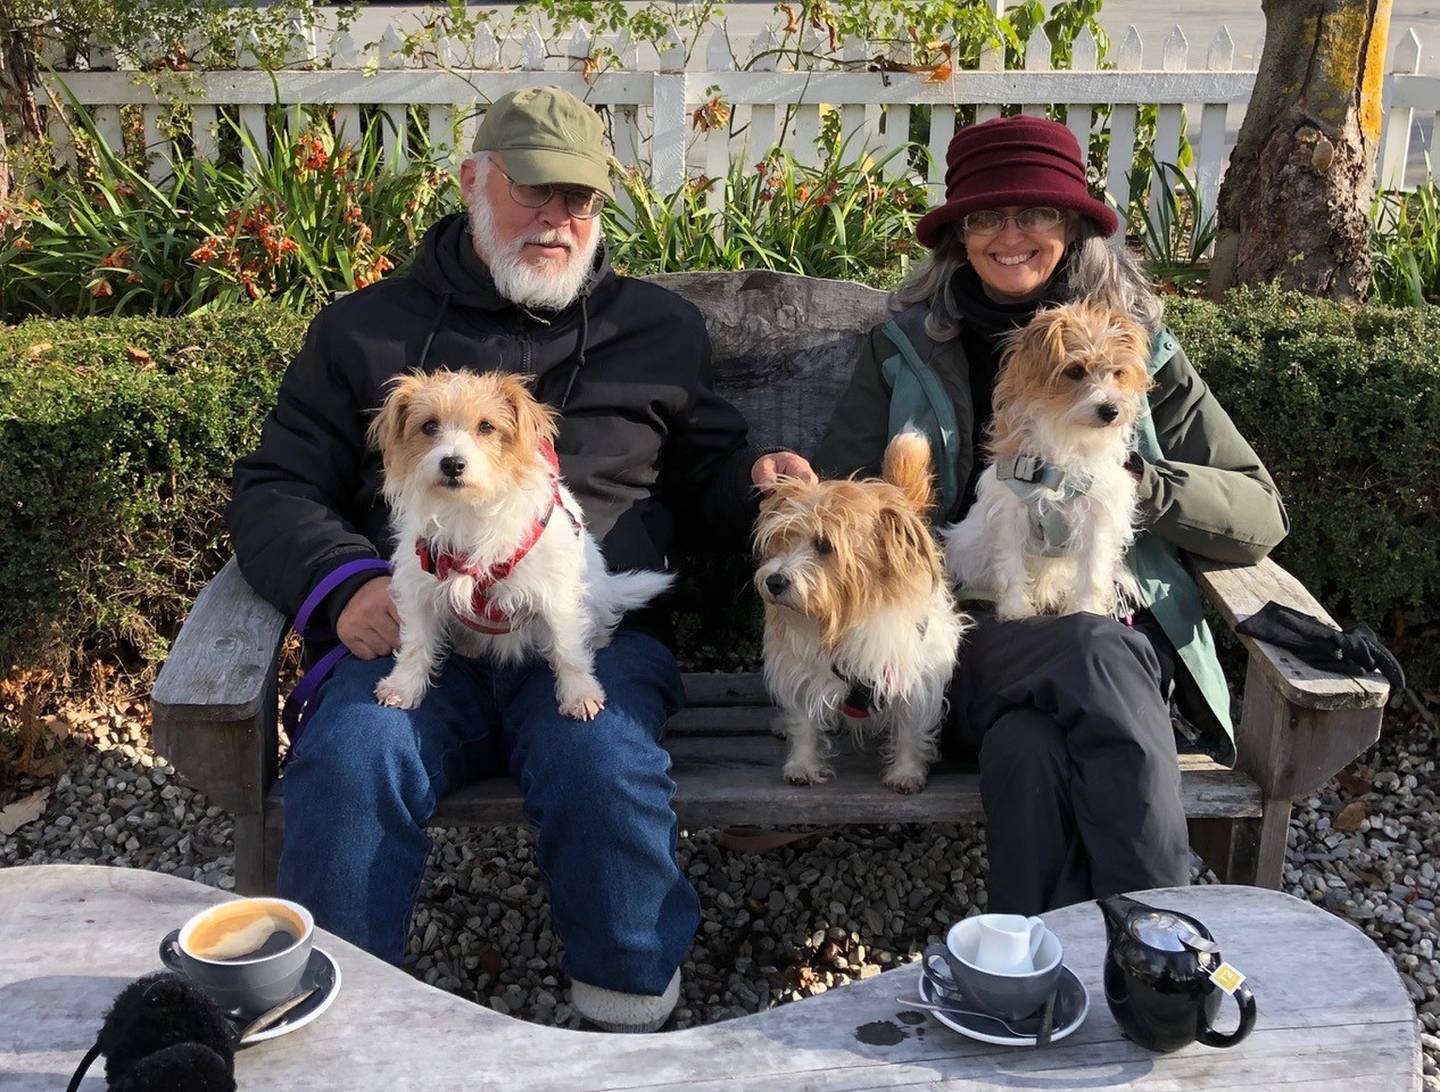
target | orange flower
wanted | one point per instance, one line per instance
(134, 278)
(364, 234)
(101, 288)
(119, 257)
(206, 251)
(22, 244)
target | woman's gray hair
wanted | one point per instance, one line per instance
(1095, 270)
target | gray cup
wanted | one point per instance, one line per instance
(954, 969)
(244, 986)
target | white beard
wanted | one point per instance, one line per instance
(521, 282)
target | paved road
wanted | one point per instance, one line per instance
(1198, 18)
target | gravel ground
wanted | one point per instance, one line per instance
(787, 923)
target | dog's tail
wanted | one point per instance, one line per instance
(613, 594)
(907, 466)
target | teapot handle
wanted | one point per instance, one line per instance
(1210, 1037)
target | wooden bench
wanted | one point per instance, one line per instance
(784, 347)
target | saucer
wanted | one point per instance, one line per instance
(323, 974)
(1072, 1003)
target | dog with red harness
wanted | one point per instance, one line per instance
(492, 556)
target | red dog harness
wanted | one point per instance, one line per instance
(488, 618)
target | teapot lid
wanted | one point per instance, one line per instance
(1167, 931)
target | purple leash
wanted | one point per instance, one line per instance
(297, 708)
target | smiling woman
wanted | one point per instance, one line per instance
(1068, 714)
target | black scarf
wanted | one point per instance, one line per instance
(984, 322)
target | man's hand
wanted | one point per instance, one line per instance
(783, 463)
(369, 625)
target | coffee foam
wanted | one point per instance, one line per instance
(233, 932)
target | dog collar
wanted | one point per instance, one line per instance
(1045, 489)
(859, 699)
(443, 564)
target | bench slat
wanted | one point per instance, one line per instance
(725, 781)
(722, 688)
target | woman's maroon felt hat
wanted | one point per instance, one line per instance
(1013, 161)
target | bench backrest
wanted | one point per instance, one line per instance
(784, 345)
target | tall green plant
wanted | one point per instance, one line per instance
(1405, 238)
(312, 220)
(1175, 232)
(840, 219)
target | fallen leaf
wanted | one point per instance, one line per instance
(1350, 816)
(1353, 782)
(16, 815)
(138, 356)
(39, 349)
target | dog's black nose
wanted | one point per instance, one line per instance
(452, 466)
(1108, 411)
(777, 583)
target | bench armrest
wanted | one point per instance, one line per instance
(214, 703)
(1241, 590)
(1299, 725)
(224, 656)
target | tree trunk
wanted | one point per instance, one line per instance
(1296, 199)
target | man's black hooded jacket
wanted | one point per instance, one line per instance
(645, 444)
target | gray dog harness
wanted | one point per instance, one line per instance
(1047, 491)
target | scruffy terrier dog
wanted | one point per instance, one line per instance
(1054, 511)
(492, 555)
(859, 618)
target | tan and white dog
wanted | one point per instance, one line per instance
(859, 618)
(1054, 511)
(492, 555)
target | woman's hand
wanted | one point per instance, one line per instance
(787, 464)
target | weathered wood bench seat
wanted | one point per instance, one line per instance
(783, 350)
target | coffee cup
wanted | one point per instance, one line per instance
(249, 955)
(960, 972)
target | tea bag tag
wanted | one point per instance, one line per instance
(1227, 978)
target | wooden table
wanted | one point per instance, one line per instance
(1333, 1013)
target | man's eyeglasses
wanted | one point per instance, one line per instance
(991, 222)
(583, 204)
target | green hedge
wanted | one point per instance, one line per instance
(120, 435)
(119, 439)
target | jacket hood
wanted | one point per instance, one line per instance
(448, 265)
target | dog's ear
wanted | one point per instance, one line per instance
(906, 543)
(1038, 347)
(534, 421)
(388, 425)
(907, 467)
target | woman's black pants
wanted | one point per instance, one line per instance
(1078, 770)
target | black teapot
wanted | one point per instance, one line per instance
(1158, 965)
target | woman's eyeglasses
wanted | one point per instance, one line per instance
(990, 222)
(583, 204)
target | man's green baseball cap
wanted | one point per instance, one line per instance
(546, 137)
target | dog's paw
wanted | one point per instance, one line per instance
(398, 693)
(905, 780)
(581, 700)
(800, 773)
(1013, 608)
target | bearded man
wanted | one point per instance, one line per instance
(521, 282)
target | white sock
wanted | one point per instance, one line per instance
(611, 1010)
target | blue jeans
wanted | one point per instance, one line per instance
(364, 779)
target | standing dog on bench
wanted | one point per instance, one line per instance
(859, 619)
(1054, 512)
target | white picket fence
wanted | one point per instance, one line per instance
(650, 109)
